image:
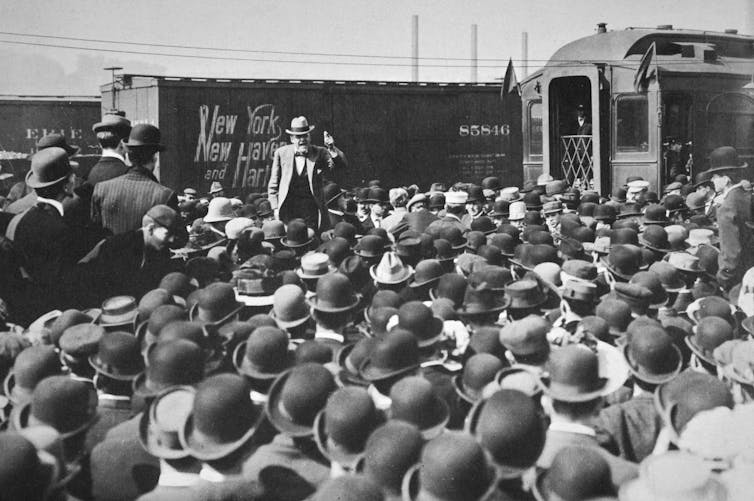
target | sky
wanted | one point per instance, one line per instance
(297, 39)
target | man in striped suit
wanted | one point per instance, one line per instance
(120, 203)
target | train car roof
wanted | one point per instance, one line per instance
(696, 50)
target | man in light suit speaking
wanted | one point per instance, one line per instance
(296, 180)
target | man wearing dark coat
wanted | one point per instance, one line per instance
(296, 182)
(134, 262)
(111, 132)
(734, 212)
(120, 203)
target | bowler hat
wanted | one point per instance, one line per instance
(491, 183)
(651, 281)
(655, 214)
(504, 242)
(382, 299)
(724, 158)
(57, 141)
(532, 201)
(711, 306)
(527, 336)
(453, 467)
(604, 213)
(296, 397)
(289, 307)
(273, 230)
(145, 136)
(297, 235)
(413, 399)
(177, 284)
(334, 294)
(48, 167)
(161, 421)
(476, 193)
(299, 126)
(217, 304)
(66, 404)
(510, 426)
(482, 300)
(496, 277)
(655, 238)
(427, 273)
(377, 195)
(170, 363)
(669, 276)
(390, 451)
(418, 319)
(573, 375)
(486, 339)
(575, 473)
(30, 367)
(500, 208)
(351, 356)
(623, 261)
(478, 371)
(342, 428)
(264, 355)
(530, 255)
(709, 333)
(652, 356)
(115, 123)
(483, 224)
(451, 286)
(396, 353)
(454, 236)
(222, 419)
(370, 246)
(118, 357)
(437, 201)
(26, 471)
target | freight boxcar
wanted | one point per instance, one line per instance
(402, 133)
(25, 119)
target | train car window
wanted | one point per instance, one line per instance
(535, 130)
(730, 122)
(632, 115)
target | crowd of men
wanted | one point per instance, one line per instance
(468, 342)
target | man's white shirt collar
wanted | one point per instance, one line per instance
(54, 203)
(113, 154)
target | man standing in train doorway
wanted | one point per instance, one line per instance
(296, 180)
(584, 127)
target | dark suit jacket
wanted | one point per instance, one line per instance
(283, 452)
(584, 130)
(319, 163)
(633, 427)
(735, 237)
(620, 469)
(106, 168)
(118, 266)
(119, 204)
(121, 468)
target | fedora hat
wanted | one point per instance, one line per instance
(418, 319)
(510, 426)
(575, 473)
(414, 400)
(573, 375)
(299, 126)
(220, 209)
(57, 141)
(119, 311)
(177, 362)
(453, 467)
(64, 403)
(674, 475)
(342, 428)
(161, 422)
(296, 397)
(217, 304)
(289, 307)
(145, 136)
(30, 367)
(724, 158)
(652, 356)
(334, 294)
(709, 333)
(114, 123)
(297, 235)
(391, 270)
(391, 450)
(525, 294)
(48, 167)
(118, 357)
(482, 300)
(222, 418)
(478, 371)
(264, 355)
(395, 354)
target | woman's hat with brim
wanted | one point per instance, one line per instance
(299, 126)
(161, 422)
